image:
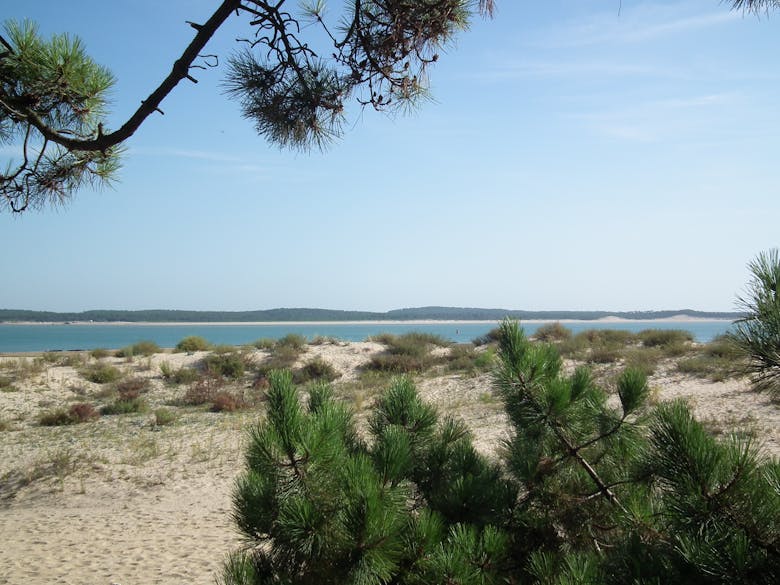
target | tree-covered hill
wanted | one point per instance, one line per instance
(304, 314)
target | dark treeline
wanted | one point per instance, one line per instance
(302, 314)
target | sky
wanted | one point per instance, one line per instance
(576, 155)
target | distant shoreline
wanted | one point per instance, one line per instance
(601, 320)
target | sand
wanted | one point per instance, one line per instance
(124, 501)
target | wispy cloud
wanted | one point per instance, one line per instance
(518, 68)
(633, 31)
(661, 119)
(644, 22)
(184, 153)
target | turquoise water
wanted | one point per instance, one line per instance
(17, 338)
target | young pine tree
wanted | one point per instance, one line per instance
(758, 333)
(589, 489)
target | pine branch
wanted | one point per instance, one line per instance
(179, 71)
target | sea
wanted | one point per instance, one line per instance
(77, 336)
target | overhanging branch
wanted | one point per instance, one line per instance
(180, 70)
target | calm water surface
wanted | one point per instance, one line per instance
(19, 338)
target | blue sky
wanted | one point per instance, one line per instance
(576, 155)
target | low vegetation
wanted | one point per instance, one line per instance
(183, 375)
(491, 336)
(192, 344)
(292, 341)
(227, 364)
(125, 406)
(203, 390)
(225, 401)
(101, 373)
(77, 413)
(284, 353)
(132, 387)
(407, 353)
(7, 384)
(264, 343)
(316, 369)
(552, 332)
(164, 417)
(466, 358)
(141, 348)
(99, 353)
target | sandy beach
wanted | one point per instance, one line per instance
(125, 500)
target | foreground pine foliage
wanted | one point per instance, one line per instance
(757, 334)
(587, 489)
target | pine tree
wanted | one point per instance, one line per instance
(588, 489)
(758, 333)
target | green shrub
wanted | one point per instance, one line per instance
(166, 370)
(163, 417)
(224, 348)
(413, 344)
(424, 339)
(128, 406)
(292, 340)
(709, 367)
(485, 359)
(203, 390)
(227, 402)
(7, 384)
(228, 365)
(465, 358)
(384, 338)
(324, 340)
(718, 360)
(461, 357)
(192, 343)
(55, 418)
(24, 368)
(664, 337)
(281, 358)
(73, 360)
(101, 373)
(574, 348)
(77, 413)
(552, 332)
(400, 363)
(407, 353)
(676, 349)
(316, 369)
(491, 336)
(264, 343)
(132, 388)
(185, 375)
(616, 337)
(82, 412)
(724, 346)
(644, 359)
(604, 354)
(99, 353)
(141, 348)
